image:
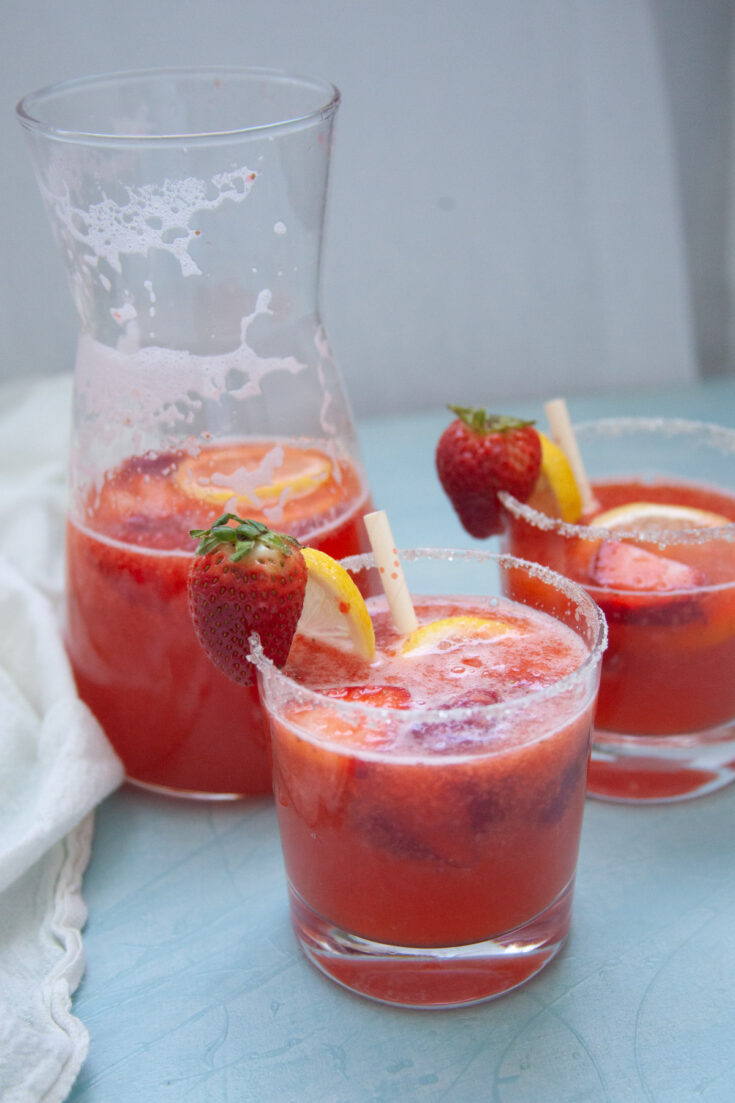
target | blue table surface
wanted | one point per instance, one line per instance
(196, 992)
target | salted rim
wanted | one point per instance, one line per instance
(720, 435)
(351, 709)
(28, 114)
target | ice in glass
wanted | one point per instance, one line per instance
(430, 800)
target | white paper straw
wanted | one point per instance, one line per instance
(563, 434)
(391, 571)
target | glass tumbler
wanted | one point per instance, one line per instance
(189, 208)
(431, 851)
(665, 724)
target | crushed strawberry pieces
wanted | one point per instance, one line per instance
(386, 697)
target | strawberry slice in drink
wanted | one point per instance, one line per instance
(650, 588)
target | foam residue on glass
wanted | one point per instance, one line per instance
(155, 216)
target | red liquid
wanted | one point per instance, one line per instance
(449, 835)
(175, 721)
(670, 660)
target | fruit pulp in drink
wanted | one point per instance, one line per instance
(175, 720)
(669, 665)
(434, 828)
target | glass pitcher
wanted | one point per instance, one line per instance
(189, 208)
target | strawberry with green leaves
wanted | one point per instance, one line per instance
(480, 454)
(245, 578)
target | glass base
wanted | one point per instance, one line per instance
(433, 978)
(655, 769)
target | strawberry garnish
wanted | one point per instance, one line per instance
(245, 578)
(480, 454)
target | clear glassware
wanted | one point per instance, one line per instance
(189, 208)
(665, 725)
(431, 852)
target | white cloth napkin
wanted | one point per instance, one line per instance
(55, 763)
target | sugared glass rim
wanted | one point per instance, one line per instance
(617, 426)
(29, 115)
(353, 710)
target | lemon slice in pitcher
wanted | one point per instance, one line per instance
(258, 472)
(334, 609)
(657, 517)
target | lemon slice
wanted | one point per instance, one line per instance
(429, 637)
(219, 474)
(556, 492)
(657, 516)
(334, 609)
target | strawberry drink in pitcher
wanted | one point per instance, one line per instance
(189, 207)
(177, 722)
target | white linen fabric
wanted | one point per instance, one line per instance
(55, 763)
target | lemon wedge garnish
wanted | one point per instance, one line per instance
(219, 474)
(334, 609)
(657, 516)
(556, 492)
(429, 637)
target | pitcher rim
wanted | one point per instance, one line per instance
(30, 117)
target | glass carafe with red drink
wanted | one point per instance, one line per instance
(189, 208)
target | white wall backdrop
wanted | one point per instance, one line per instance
(528, 196)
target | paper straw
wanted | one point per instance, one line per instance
(391, 571)
(563, 434)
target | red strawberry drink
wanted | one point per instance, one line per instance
(177, 722)
(657, 553)
(430, 799)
